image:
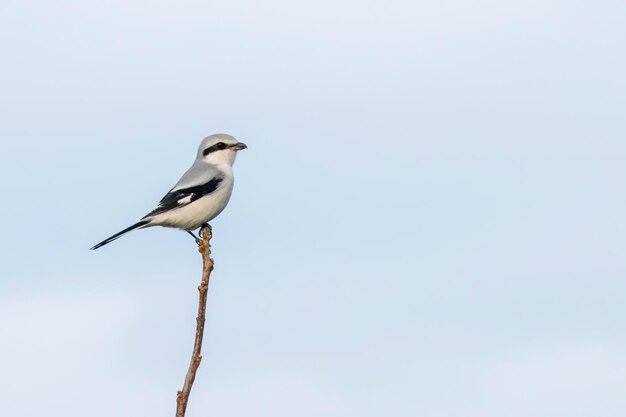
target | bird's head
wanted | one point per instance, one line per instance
(219, 149)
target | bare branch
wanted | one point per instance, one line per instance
(204, 247)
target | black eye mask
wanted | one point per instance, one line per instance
(219, 146)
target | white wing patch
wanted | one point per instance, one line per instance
(184, 200)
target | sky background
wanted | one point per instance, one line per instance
(429, 221)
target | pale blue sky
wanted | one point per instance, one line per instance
(429, 220)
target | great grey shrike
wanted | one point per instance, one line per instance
(200, 194)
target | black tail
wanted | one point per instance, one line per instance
(122, 233)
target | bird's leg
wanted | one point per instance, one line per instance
(195, 237)
(206, 225)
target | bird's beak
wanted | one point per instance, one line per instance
(239, 146)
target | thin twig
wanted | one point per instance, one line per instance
(204, 247)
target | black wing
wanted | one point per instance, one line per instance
(184, 196)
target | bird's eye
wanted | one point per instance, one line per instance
(220, 145)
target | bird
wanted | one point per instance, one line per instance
(200, 195)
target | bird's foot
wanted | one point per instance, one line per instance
(196, 238)
(208, 226)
